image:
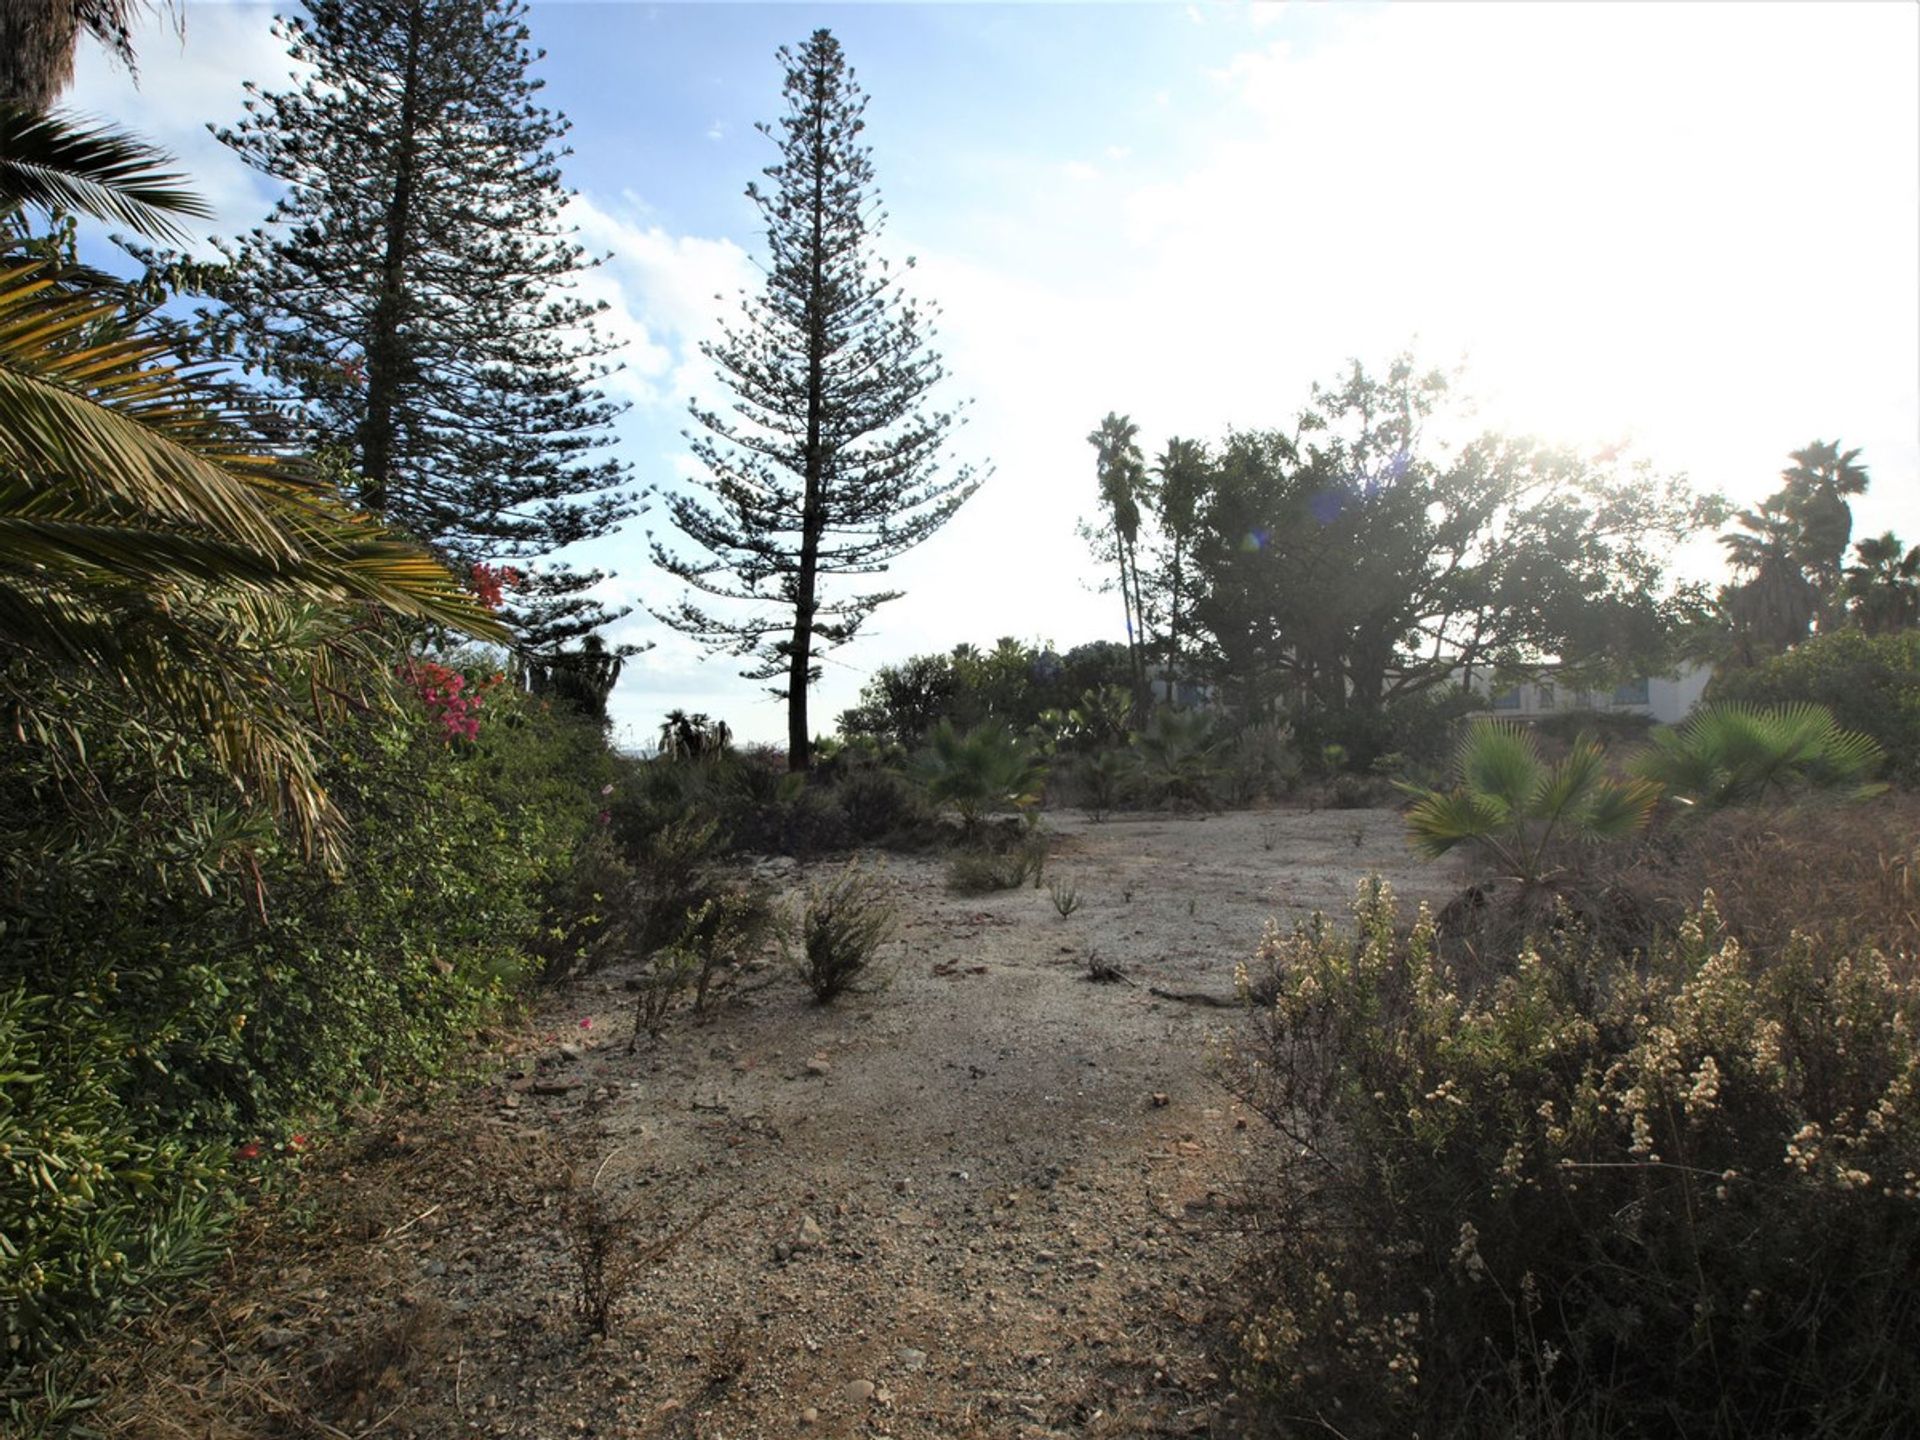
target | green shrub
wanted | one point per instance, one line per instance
(981, 872)
(1261, 762)
(1177, 757)
(1734, 754)
(1603, 1197)
(1870, 684)
(843, 923)
(987, 769)
(185, 990)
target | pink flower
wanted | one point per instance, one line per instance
(587, 1024)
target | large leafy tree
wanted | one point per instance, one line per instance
(827, 464)
(1364, 558)
(410, 294)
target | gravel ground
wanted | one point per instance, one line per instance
(991, 1199)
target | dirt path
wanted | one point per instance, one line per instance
(980, 1202)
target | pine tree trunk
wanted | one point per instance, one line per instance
(384, 358)
(799, 738)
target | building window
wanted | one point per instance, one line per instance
(1634, 692)
(1509, 700)
(1546, 697)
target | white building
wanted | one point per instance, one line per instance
(1666, 700)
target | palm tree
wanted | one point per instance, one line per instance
(1734, 754)
(1511, 804)
(1885, 585)
(1774, 607)
(37, 39)
(1814, 496)
(157, 569)
(1122, 473)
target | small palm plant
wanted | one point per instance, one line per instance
(988, 768)
(1514, 806)
(1177, 753)
(1744, 754)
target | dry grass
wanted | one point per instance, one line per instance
(1847, 873)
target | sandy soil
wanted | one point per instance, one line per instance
(986, 1200)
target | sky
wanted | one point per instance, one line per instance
(1694, 228)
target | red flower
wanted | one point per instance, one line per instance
(248, 1151)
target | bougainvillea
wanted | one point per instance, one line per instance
(490, 582)
(451, 698)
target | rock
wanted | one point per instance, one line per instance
(782, 1251)
(810, 1416)
(819, 1065)
(435, 1267)
(571, 1051)
(809, 1236)
(858, 1392)
(275, 1338)
(910, 1358)
(1161, 1100)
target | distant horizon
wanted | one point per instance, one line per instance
(1189, 213)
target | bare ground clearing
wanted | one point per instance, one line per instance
(984, 1201)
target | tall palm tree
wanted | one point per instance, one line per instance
(1774, 606)
(37, 40)
(1122, 473)
(1814, 495)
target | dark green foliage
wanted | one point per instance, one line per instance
(1068, 698)
(410, 295)
(826, 463)
(1870, 684)
(843, 923)
(1177, 757)
(1601, 1197)
(985, 770)
(1732, 754)
(1510, 804)
(1359, 558)
(178, 989)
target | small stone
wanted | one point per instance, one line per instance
(1161, 1100)
(819, 1065)
(858, 1391)
(782, 1251)
(435, 1267)
(571, 1051)
(809, 1236)
(810, 1415)
(910, 1358)
(275, 1338)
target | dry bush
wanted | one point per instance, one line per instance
(1848, 874)
(365, 1378)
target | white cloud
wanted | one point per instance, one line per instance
(665, 294)
(185, 81)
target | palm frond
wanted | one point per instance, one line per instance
(58, 162)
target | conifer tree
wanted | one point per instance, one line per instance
(827, 464)
(411, 292)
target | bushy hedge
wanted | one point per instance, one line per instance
(1604, 1196)
(179, 990)
(1871, 683)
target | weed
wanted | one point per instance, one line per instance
(599, 1241)
(843, 924)
(1066, 899)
